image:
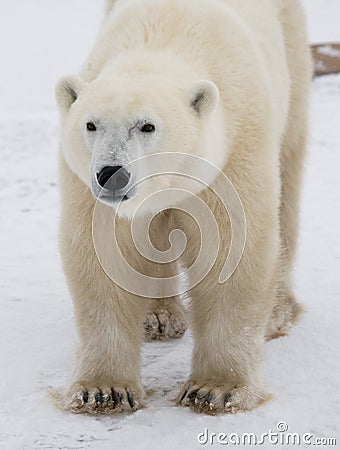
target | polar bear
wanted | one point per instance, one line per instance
(226, 81)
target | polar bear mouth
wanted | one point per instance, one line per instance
(110, 198)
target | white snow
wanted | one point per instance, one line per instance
(41, 40)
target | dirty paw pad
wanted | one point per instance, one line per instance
(217, 399)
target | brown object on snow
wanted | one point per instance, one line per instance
(326, 58)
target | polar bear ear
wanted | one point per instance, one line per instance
(204, 97)
(67, 91)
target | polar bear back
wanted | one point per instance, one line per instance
(220, 40)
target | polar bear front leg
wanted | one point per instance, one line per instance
(107, 373)
(110, 328)
(228, 347)
(109, 320)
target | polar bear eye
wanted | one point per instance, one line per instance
(148, 128)
(91, 126)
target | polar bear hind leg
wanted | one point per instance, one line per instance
(286, 310)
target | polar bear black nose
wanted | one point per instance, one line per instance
(118, 176)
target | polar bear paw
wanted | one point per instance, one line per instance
(165, 323)
(213, 399)
(98, 399)
(284, 316)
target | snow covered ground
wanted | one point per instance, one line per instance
(41, 40)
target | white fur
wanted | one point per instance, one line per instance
(250, 62)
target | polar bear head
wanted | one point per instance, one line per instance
(116, 133)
